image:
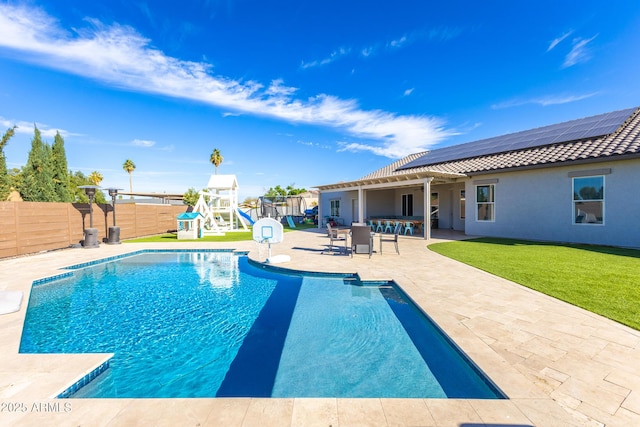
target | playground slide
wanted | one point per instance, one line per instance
(290, 221)
(245, 216)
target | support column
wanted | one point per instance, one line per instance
(427, 208)
(319, 209)
(360, 205)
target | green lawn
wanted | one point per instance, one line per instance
(235, 236)
(604, 280)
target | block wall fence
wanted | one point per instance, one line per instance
(31, 227)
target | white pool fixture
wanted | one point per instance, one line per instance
(268, 230)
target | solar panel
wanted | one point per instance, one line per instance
(588, 127)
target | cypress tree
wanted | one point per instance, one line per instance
(61, 181)
(37, 185)
(5, 183)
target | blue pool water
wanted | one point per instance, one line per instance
(214, 324)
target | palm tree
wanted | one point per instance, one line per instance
(95, 177)
(216, 159)
(129, 166)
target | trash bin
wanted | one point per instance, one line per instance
(90, 238)
(114, 236)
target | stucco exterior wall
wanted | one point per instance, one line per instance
(449, 206)
(345, 198)
(538, 205)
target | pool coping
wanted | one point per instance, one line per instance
(544, 388)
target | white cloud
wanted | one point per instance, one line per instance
(438, 34)
(117, 55)
(277, 88)
(408, 92)
(544, 101)
(334, 56)
(579, 52)
(398, 43)
(557, 41)
(405, 135)
(143, 143)
(27, 128)
(368, 51)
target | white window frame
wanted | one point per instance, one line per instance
(463, 204)
(575, 210)
(491, 202)
(334, 208)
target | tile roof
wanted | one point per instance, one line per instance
(390, 169)
(625, 141)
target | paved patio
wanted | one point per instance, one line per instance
(559, 365)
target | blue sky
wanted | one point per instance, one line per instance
(300, 92)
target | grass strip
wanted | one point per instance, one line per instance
(603, 280)
(232, 236)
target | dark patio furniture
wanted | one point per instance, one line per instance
(361, 240)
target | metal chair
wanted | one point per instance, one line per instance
(371, 225)
(408, 228)
(393, 239)
(388, 225)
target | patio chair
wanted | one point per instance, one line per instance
(361, 240)
(388, 225)
(379, 227)
(372, 225)
(393, 239)
(408, 228)
(334, 236)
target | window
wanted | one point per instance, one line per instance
(588, 200)
(435, 205)
(407, 205)
(463, 205)
(335, 208)
(485, 201)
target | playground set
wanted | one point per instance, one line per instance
(218, 205)
(219, 211)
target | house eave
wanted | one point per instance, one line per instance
(577, 162)
(397, 180)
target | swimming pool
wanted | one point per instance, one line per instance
(215, 324)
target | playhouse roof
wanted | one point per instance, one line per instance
(189, 215)
(222, 182)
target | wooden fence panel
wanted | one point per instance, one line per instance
(167, 217)
(146, 220)
(8, 230)
(126, 220)
(29, 227)
(41, 226)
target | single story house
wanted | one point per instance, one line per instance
(575, 181)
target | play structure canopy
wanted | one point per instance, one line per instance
(223, 182)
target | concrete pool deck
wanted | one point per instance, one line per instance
(558, 364)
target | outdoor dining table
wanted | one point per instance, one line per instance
(419, 223)
(346, 231)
